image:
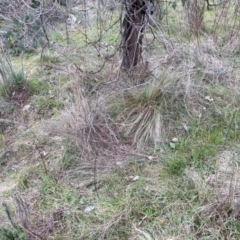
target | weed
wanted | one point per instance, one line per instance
(24, 180)
(37, 87)
(14, 82)
(58, 36)
(18, 38)
(54, 195)
(175, 165)
(7, 234)
(46, 106)
(71, 157)
(49, 57)
(16, 231)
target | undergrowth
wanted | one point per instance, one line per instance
(95, 153)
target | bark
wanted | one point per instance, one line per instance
(133, 27)
(194, 11)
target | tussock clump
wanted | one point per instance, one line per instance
(13, 84)
(142, 109)
(85, 123)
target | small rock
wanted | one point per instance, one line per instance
(89, 209)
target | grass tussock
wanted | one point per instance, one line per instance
(141, 110)
(13, 84)
(86, 124)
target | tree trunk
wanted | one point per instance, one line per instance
(133, 27)
(194, 11)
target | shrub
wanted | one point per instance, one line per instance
(22, 35)
(23, 28)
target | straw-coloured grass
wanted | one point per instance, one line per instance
(141, 111)
(85, 123)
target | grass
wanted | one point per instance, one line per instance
(12, 79)
(37, 87)
(71, 156)
(142, 113)
(48, 57)
(46, 106)
(152, 154)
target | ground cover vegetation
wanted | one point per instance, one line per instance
(119, 119)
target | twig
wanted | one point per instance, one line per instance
(100, 68)
(23, 216)
(39, 152)
(41, 56)
(44, 29)
(66, 24)
(95, 174)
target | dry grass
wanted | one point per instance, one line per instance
(219, 197)
(192, 75)
(141, 109)
(85, 123)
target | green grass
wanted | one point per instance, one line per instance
(58, 35)
(71, 156)
(38, 87)
(46, 106)
(14, 80)
(48, 57)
